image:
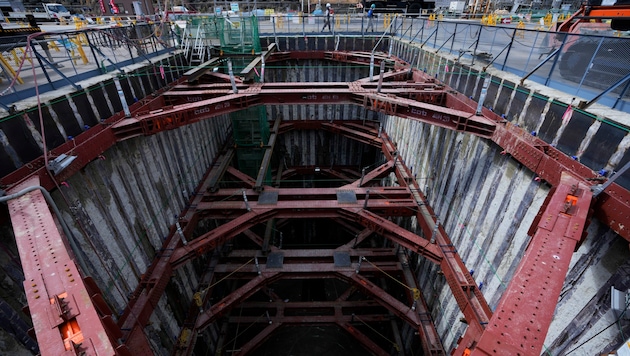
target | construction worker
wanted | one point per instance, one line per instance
(371, 15)
(329, 13)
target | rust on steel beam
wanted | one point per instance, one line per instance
(522, 318)
(612, 206)
(150, 122)
(353, 129)
(359, 235)
(468, 297)
(87, 147)
(64, 316)
(305, 307)
(312, 318)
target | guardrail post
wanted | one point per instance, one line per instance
(509, 49)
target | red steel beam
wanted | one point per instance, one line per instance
(311, 270)
(377, 173)
(404, 312)
(150, 289)
(336, 172)
(431, 342)
(302, 194)
(523, 316)
(312, 318)
(363, 339)
(401, 236)
(255, 342)
(64, 317)
(366, 134)
(468, 297)
(218, 236)
(236, 297)
(378, 253)
(304, 306)
(370, 220)
(301, 271)
(194, 105)
(612, 206)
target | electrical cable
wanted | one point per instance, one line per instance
(601, 331)
(387, 274)
(394, 344)
(244, 330)
(224, 278)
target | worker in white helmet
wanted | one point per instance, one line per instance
(329, 13)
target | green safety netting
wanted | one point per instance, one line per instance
(251, 134)
(235, 34)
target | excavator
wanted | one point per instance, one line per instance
(607, 60)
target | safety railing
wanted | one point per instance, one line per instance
(595, 68)
(37, 63)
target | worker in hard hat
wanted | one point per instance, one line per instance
(371, 15)
(329, 13)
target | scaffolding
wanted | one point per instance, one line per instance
(229, 34)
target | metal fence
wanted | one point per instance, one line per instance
(593, 67)
(38, 63)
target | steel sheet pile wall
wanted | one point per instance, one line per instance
(125, 205)
(487, 201)
(119, 207)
